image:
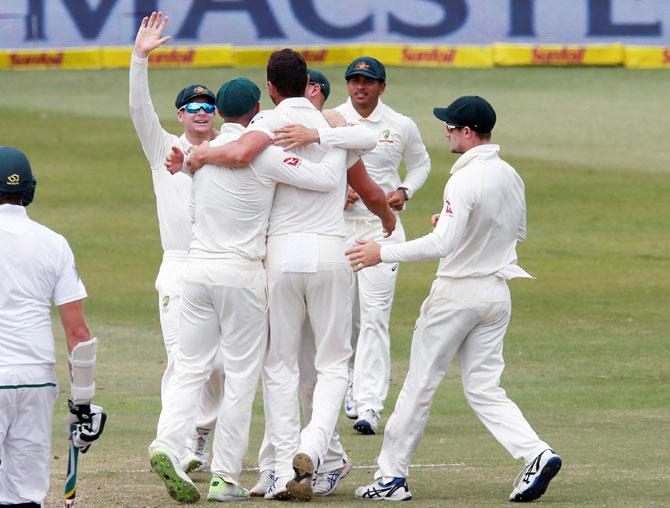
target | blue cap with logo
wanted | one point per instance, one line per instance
(191, 92)
(366, 66)
(16, 175)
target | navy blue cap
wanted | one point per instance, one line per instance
(185, 95)
(366, 66)
(468, 111)
(319, 78)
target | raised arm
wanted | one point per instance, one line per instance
(155, 140)
(372, 195)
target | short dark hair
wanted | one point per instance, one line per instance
(287, 71)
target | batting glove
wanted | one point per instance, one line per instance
(84, 424)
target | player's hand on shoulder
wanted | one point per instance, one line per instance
(294, 136)
(434, 219)
(84, 424)
(334, 118)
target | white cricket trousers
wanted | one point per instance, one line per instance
(168, 285)
(224, 311)
(335, 455)
(467, 317)
(27, 396)
(372, 298)
(323, 297)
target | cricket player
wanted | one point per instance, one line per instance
(467, 312)
(196, 112)
(336, 464)
(398, 141)
(37, 267)
(224, 296)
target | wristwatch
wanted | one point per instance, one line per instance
(404, 189)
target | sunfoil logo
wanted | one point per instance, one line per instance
(563, 56)
(30, 59)
(435, 55)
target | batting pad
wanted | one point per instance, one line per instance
(82, 371)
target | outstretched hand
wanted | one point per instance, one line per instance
(367, 253)
(149, 36)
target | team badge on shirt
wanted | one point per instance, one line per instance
(165, 302)
(385, 137)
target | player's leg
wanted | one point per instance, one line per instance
(25, 433)
(329, 311)
(482, 364)
(242, 310)
(198, 347)
(287, 314)
(372, 366)
(442, 325)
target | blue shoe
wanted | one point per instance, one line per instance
(395, 490)
(534, 479)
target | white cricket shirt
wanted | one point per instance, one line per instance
(298, 210)
(36, 267)
(231, 207)
(398, 140)
(172, 191)
(483, 218)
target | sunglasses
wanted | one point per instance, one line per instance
(451, 128)
(195, 107)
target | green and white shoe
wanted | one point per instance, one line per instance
(178, 484)
(221, 490)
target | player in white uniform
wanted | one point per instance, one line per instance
(37, 267)
(172, 201)
(468, 309)
(306, 278)
(224, 300)
(398, 141)
(336, 464)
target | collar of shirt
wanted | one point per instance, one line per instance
(13, 210)
(479, 152)
(375, 116)
(295, 102)
(231, 127)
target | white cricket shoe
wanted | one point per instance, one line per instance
(349, 402)
(179, 486)
(367, 422)
(324, 484)
(221, 490)
(197, 456)
(395, 490)
(277, 489)
(534, 478)
(265, 479)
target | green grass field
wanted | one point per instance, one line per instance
(587, 350)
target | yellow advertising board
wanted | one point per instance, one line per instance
(171, 56)
(570, 55)
(432, 56)
(73, 58)
(314, 56)
(646, 57)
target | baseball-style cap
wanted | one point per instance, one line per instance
(16, 176)
(193, 91)
(319, 78)
(366, 66)
(468, 111)
(237, 97)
